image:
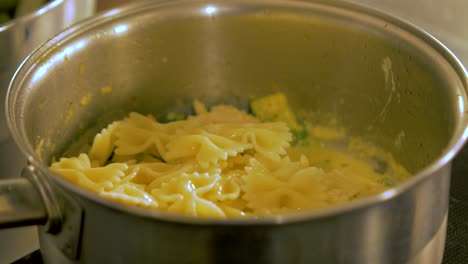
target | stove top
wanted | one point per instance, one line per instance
(456, 245)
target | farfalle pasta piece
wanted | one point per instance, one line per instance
(204, 147)
(158, 172)
(270, 191)
(132, 194)
(103, 145)
(270, 139)
(132, 140)
(79, 170)
(221, 114)
(139, 134)
(184, 194)
(228, 188)
(143, 122)
(233, 210)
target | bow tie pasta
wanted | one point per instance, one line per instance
(222, 162)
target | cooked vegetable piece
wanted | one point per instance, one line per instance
(275, 107)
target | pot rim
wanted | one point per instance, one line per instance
(455, 144)
(30, 16)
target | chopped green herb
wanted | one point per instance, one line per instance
(300, 137)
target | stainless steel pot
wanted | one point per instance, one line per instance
(385, 80)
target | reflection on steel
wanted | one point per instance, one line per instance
(120, 29)
(210, 10)
(58, 58)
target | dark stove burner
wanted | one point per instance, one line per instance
(33, 258)
(456, 246)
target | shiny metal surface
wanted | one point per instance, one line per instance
(445, 20)
(51, 214)
(17, 39)
(61, 217)
(326, 56)
(434, 250)
(20, 204)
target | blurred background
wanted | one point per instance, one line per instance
(25, 24)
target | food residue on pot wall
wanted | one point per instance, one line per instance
(106, 89)
(86, 99)
(70, 112)
(81, 68)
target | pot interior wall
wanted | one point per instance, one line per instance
(377, 80)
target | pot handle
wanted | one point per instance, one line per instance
(28, 200)
(20, 204)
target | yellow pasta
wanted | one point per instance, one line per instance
(221, 163)
(103, 145)
(98, 179)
